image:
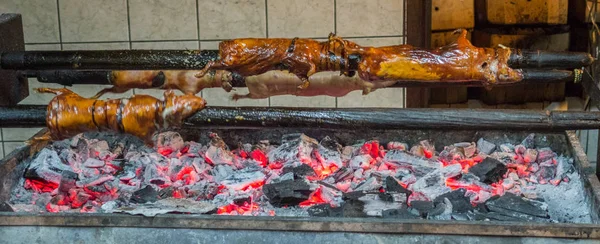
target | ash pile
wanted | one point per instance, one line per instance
(103, 172)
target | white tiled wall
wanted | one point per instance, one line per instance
(193, 24)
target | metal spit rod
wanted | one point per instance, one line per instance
(197, 59)
(355, 118)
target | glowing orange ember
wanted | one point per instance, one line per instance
(260, 157)
(245, 208)
(314, 198)
(40, 186)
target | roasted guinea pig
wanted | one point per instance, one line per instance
(69, 114)
(183, 80)
(302, 57)
(457, 61)
(273, 83)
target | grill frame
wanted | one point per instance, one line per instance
(315, 225)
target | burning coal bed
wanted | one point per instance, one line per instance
(303, 177)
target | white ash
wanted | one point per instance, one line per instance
(224, 178)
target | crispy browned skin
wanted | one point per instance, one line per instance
(457, 61)
(302, 57)
(69, 114)
(274, 83)
(183, 80)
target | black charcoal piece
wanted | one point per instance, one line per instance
(437, 210)
(354, 208)
(300, 171)
(48, 167)
(547, 172)
(342, 174)
(513, 203)
(401, 213)
(529, 141)
(485, 147)
(242, 200)
(325, 210)
(289, 192)
(392, 185)
(166, 192)
(489, 170)
(460, 203)
(5, 207)
(423, 207)
(144, 195)
(330, 144)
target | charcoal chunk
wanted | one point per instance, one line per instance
(5, 207)
(423, 207)
(529, 141)
(485, 147)
(300, 171)
(513, 203)
(144, 195)
(325, 210)
(354, 208)
(489, 170)
(289, 192)
(460, 203)
(240, 201)
(401, 213)
(392, 185)
(342, 174)
(48, 167)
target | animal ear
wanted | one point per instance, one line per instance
(169, 97)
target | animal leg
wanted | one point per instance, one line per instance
(113, 89)
(304, 76)
(210, 65)
(237, 96)
(57, 91)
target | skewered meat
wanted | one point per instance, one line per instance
(183, 80)
(457, 61)
(302, 57)
(273, 83)
(69, 114)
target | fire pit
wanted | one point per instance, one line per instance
(376, 181)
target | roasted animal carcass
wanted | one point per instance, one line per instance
(183, 80)
(273, 83)
(457, 61)
(69, 114)
(302, 57)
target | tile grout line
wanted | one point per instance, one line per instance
(60, 41)
(335, 31)
(128, 24)
(129, 33)
(2, 137)
(267, 33)
(198, 35)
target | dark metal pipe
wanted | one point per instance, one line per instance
(178, 59)
(72, 77)
(357, 118)
(548, 59)
(108, 59)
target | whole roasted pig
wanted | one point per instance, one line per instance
(183, 80)
(300, 56)
(69, 114)
(274, 83)
(458, 61)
